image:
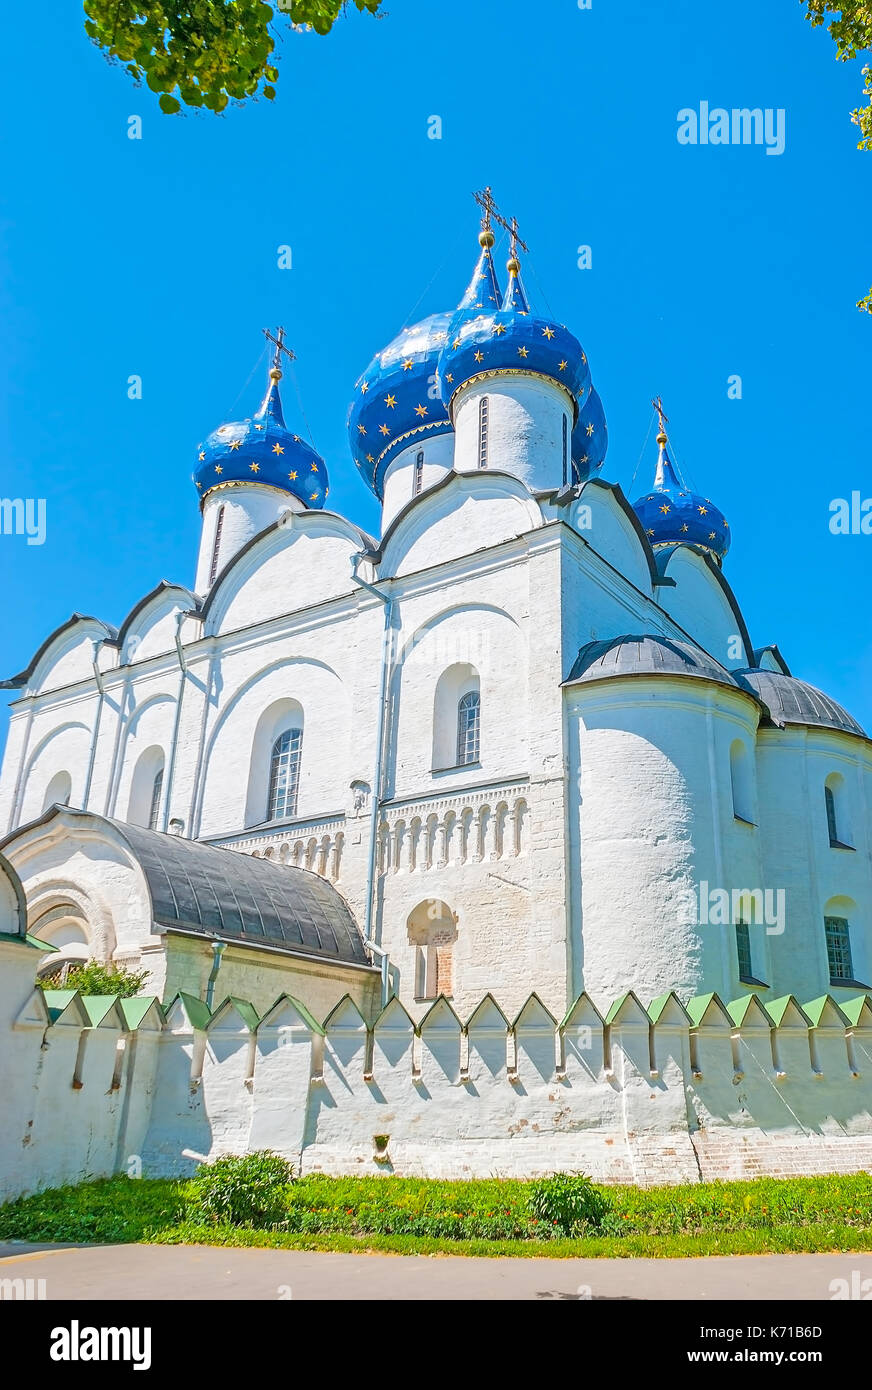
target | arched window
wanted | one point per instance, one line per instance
(156, 789)
(468, 727)
(565, 450)
(839, 958)
(740, 782)
(284, 775)
(483, 407)
(419, 472)
(456, 717)
(743, 950)
(146, 786)
(58, 791)
(216, 546)
(837, 821)
(432, 929)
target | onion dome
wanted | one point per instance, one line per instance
(512, 339)
(590, 439)
(672, 514)
(262, 450)
(396, 401)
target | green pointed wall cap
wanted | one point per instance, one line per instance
(583, 1000)
(246, 1010)
(621, 1003)
(777, 1009)
(13, 939)
(853, 1008)
(308, 1018)
(701, 1004)
(197, 1009)
(815, 1009)
(739, 1009)
(487, 1005)
(57, 1001)
(136, 1009)
(535, 1004)
(394, 1009)
(658, 1006)
(345, 1004)
(40, 945)
(98, 1007)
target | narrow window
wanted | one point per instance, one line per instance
(419, 472)
(482, 432)
(832, 825)
(838, 949)
(219, 526)
(284, 775)
(468, 726)
(154, 808)
(565, 451)
(743, 948)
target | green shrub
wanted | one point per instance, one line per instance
(568, 1201)
(92, 977)
(241, 1190)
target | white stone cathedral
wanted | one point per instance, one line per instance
(522, 741)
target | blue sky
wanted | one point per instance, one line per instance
(158, 257)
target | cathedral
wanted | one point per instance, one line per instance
(519, 744)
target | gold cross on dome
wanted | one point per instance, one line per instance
(661, 414)
(485, 200)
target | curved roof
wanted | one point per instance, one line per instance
(224, 895)
(646, 654)
(792, 701)
(23, 677)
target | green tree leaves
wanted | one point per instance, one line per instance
(203, 53)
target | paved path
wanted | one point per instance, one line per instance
(209, 1272)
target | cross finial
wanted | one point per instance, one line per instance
(279, 339)
(663, 418)
(485, 200)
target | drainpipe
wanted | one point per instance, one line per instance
(384, 689)
(183, 671)
(218, 949)
(385, 966)
(98, 677)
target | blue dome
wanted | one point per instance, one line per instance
(672, 513)
(483, 341)
(262, 450)
(590, 439)
(396, 401)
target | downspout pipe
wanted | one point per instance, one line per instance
(183, 671)
(101, 695)
(384, 687)
(218, 949)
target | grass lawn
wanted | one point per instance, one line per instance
(489, 1217)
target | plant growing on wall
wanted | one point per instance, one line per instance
(92, 977)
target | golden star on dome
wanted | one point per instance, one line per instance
(712, 535)
(292, 477)
(390, 401)
(548, 333)
(259, 427)
(685, 527)
(408, 364)
(201, 455)
(370, 459)
(479, 357)
(522, 352)
(703, 511)
(255, 467)
(589, 429)
(277, 449)
(498, 328)
(235, 443)
(650, 530)
(314, 467)
(313, 497)
(561, 366)
(583, 358)
(727, 525)
(361, 429)
(297, 439)
(585, 458)
(421, 410)
(449, 378)
(456, 343)
(665, 508)
(383, 429)
(218, 468)
(364, 386)
(200, 486)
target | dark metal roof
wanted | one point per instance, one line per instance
(233, 897)
(792, 701)
(646, 655)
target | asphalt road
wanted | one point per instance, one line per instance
(177, 1272)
